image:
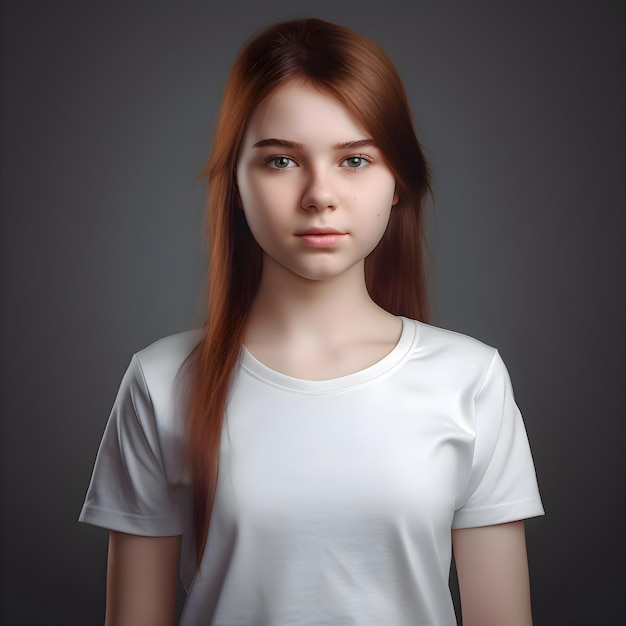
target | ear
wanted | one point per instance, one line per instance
(396, 198)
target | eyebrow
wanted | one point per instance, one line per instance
(294, 145)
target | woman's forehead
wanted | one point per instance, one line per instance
(300, 112)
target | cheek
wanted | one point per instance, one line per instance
(263, 211)
(381, 197)
(384, 207)
(252, 199)
(260, 191)
(246, 189)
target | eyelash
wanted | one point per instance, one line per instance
(366, 161)
(275, 158)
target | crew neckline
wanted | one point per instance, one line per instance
(262, 372)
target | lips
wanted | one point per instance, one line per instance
(319, 231)
(320, 237)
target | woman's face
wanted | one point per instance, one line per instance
(315, 189)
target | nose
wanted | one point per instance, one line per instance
(319, 194)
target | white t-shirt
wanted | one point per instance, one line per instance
(336, 498)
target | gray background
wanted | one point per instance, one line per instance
(107, 116)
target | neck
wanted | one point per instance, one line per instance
(287, 306)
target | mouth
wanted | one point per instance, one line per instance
(321, 237)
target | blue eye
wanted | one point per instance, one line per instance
(355, 162)
(281, 162)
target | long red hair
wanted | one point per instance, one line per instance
(355, 70)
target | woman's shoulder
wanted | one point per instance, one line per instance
(430, 337)
(162, 359)
(155, 383)
(452, 353)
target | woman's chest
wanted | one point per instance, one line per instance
(379, 453)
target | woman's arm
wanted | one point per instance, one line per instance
(492, 569)
(141, 580)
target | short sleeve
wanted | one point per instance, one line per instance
(503, 484)
(129, 491)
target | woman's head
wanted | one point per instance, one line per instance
(354, 70)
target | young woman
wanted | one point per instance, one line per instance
(319, 451)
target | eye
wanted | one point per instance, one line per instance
(280, 163)
(356, 162)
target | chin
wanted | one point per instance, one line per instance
(321, 273)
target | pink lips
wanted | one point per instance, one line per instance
(321, 237)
